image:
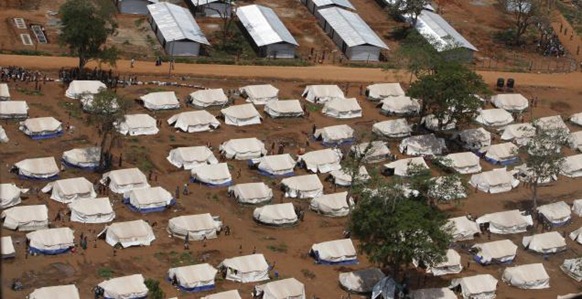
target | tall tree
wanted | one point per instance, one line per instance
(86, 25)
(525, 13)
(449, 93)
(409, 9)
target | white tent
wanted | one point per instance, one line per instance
(4, 92)
(401, 105)
(512, 102)
(260, 94)
(92, 210)
(85, 158)
(276, 214)
(572, 268)
(79, 89)
(379, 91)
(241, 115)
(320, 94)
(125, 287)
(576, 118)
(138, 124)
(550, 242)
(10, 195)
(194, 121)
(530, 276)
(13, 109)
(243, 148)
(361, 281)
(125, 180)
(433, 293)
(572, 166)
(232, 294)
(251, 193)
(475, 139)
(146, 200)
(497, 118)
(334, 135)
(552, 122)
(275, 165)
(462, 229)
(375, 151)
(323, 161)
(557, 213)
(482, 286)
(191, 157)
(574, 140)
(302, 186)
(464, 162)
(401, 167)
(197, 227)
(502, 251)
(38, 168)
(386, 288)
(248, 268)
(41, 127)
(577, 207)
(335, 252)
(576, 235)
(342, 108)
(7, 247)
(447, 188)
(332, 205)
(208, 97)
(506, 222)
(212, 174)
(431, 122)
(284, 108)
(87, 103)
(161, 100)
(51, 240)
(3, 137)
(69, 291)
(69, 190)
(343, 178)
(194, 278)
(451, 265)
(393, 128)
(130, 233)
(494, 181)
(26, 218)
(502, 153)
(422, 145)
(520, 133)
(281, 289)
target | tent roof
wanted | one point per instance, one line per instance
(374, 148)
(502, 151)
(193, 118)
(392, 126)
(78, 87)
(497, 249)
(41, 124)
(247, 263)
(210, 95)
(361, 281)
(462, 225)
(554, 121)
(335, 248)
(212, 171)
(511, 218)
(193, 153)
(510, 101)
(4, 91)
(525, 274)
(131, 284)
(7, 247)
(340, 3)
(285, 106)
(126, 176)
(161, 98)
(232, 294)
(24, 214)
(150, 195)
(343, 104)
(264, 26)
(243, 111)
(176, 23)
(275, 211)
(251, 190)
(433, 293)
(261, 90)
(494, 117)
(142, 120)
(477, 284)
(39, 165)
(335, 132)
(352, 29)
(325, 90)
(463, 159)
(401, 166)
(324, 156)
(13, 107)
(440, 33)
(475, 135)
(382, 90)
(131, 229)
(495, 177)
(556, 210)
(285, 288)
(79, 185)
(194, 273)
(69, 291)
(50, 237)
(92, 206)
(194, 222)
(333, 201)
(543, 241)
(303, 182)
(83, 155)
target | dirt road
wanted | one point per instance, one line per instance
(315, 74)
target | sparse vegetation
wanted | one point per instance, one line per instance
(281, 247)
(308, 273)
(154, 288)
(176, 259)
(105, 272)
(30, 92)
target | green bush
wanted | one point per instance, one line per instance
(155, 290)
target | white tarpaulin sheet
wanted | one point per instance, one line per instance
(497, 118)
(482, 286)
(502, 153)
(208, 97)
(461, 228)
(475, 139)
(433, 293)
(7, 247)
(512, 102)
(341, 177)
(194, 277)
(26, 218)
(334, 134)
(506, 222)
(161, 100)
(41, 126)
(342, 108)
(243, 148)
(260, 94)
(361, 281)
(393, 128)
(92, 210)
(191, 157)
(241, 115)
(289, 288)
(251, 193)
(212, 174)
(125, 180)
(69, 291)
(530, 276)
(494, 181)
(422, 145)
(323, 161)
(432, 123)
(83, 157)
(130, 233)
(138, 124)
(125, 287)
(276, 214)
(13, 109)
(284, 108)
(520, 133)
(401, 167)
(4, 92)
(302, 186)
(336, 251)
(577, 207)
(154, 198)
(401, 105)
(196, 227)
(572, 166)
(68, 190)
(380, 91)
(451, 264)
(372, 152)
(84, 89)
(3, 137)
(194, 121)
(38, 168)
(248, 268)
(574, 140)
(576, 118)
(556, 213)
(10, 195)
(332, 205)
(554, 122)
(232, 294)
(572, 268)
(550, 242)
(464, 162)
(51, 240)
(320, 94)
(282, 164)
(501, 251)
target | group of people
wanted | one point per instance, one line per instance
(549, 44)
(16, 73)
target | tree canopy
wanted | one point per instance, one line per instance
(411, 8)
(86, 25)
(525, 13)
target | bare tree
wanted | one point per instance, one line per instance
(525, 13)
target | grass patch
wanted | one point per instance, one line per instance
(31, 53)
(308, 273)
(281, 247)
(154, 89)
(139, 22)
(572, 13)
(72, 108)
(176, 259)
(29, 92)
(139, 156)
(312, 107)
(105, 272)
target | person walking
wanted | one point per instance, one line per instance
(132, 63)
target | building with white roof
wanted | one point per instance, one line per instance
(211, 8)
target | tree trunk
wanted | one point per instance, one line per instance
(534, 188)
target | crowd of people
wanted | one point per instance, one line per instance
(16, 73)
(549, 43)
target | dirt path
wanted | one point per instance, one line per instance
(568, 37)
(315, 74)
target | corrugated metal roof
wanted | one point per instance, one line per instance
(264, 25)
(351, 28)
(340, 3)
(176, 23)
(440, 33)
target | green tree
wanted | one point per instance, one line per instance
(419, 56)
(411, 8)
(449, 94)
(525, 13)
(86, 25)
(155, 292)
